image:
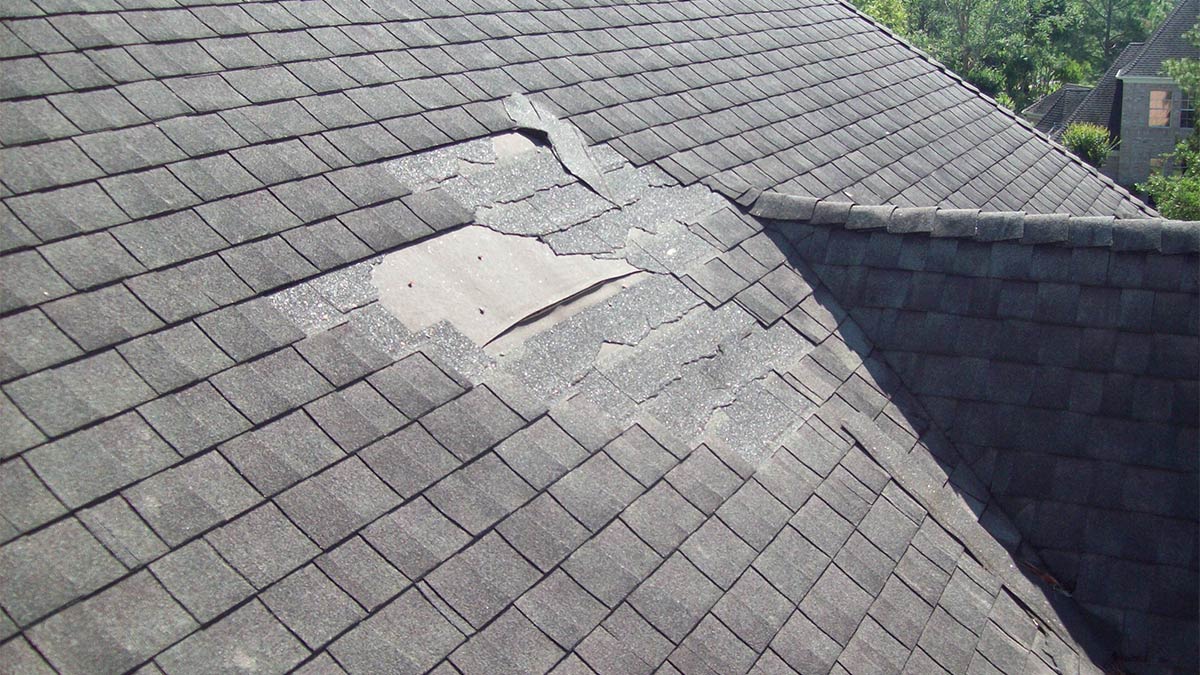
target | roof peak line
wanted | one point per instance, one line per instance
(1156, 235)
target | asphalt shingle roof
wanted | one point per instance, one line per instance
(221, 450)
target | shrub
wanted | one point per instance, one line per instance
(1090, 142)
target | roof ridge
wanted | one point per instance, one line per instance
(1159, 235)
(1159, 32)
(1054, 144)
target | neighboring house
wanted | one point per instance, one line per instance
(1139, 104)
(502, 336)
(1155, 112)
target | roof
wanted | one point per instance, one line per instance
(1167, 42)
(1049, 111)
(240, 429)
(1097, 106)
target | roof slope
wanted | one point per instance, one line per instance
(806, 96)
(1097, 106)
(1167, 42)
(709, 468)
(1017, 333)
(220, 448)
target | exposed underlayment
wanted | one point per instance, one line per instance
(484, 282)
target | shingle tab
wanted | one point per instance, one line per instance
(337, 501)
(479, 582)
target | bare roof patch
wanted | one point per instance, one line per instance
(484, 282)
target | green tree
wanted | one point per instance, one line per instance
(1187, 71)
(1177, 195)
(1090, 142)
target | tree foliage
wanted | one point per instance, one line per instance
(1019, 50)
(1090, 142)
(1177, 195)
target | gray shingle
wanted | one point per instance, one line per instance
(562, 609)
(262, 545)
(612, 563)
(128, 149)
(472, 423)
(267, 264)
(337, 501)
(409, 460)
(29, 168)
(901, 611)
(541, 452)
(754, 514)
(102, 317)
(28, 281)
(31, 342)
(359, 570)
(123, 532)
(836, 604)
(148, 193)
(342, 354)
(247, 216)
(197, 577)
(509, 645)
(415, 385)
(948, 642)
(311, 605)
(158, 242)
(753, 610)
(91, 260)
(100, 459)
(416, 538)
(718, 552)
(385, 226)
(792, 564)
(704, 480)
(543, 532)
(249, 632)
(186, 500)
(481, 580)
(355, 416)
(52, 567)
(67, 211)
(282, 453)
(369, 647)
(115, 630)
(662, 518)
(174, 357)
(596, 491)
(675, 597)
(640, 455)
(480, 493)
(194, 419)
(249, 329)
(272, 385)
(368, 184)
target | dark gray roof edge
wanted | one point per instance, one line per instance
(1156, 235)
(1054, 144)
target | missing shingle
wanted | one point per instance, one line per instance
(485, 283)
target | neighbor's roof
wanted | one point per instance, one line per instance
(221, 448)
(1056, 106)
(1167, 42)
(1097, 106)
